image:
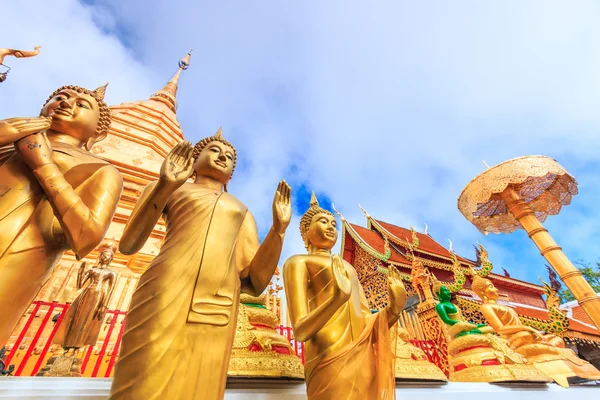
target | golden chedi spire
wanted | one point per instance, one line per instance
(168, 94)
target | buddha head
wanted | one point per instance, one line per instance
(79, 113)
(318, 227)
(107, 249)
(215, 158)
(442, 292)
(484, 288)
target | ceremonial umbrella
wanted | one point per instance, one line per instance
(521, 193)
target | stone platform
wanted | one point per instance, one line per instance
(45, 388)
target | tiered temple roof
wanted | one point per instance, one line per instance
(381, 245)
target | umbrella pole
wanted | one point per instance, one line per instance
(570, 275)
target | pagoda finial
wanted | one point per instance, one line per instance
(168, 94)
(426, 229)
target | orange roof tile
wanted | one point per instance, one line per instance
(375, 240)
(426, 242)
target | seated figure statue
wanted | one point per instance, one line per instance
(547, 352)
(475, 354)
(348, 350)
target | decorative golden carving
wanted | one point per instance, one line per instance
(258, 349)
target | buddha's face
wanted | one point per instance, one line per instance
(322, 232)
(490, 291)
(73, 113)
(215, 161)
(106, 257)
(444, 294)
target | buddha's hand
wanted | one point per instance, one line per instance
(21, 127)
(396, 290)
(282, 208)
(178, 166)
(35, 149)
(343, 286)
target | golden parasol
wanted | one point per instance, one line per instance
(521, 193)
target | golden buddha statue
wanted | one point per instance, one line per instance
(475, 354)
(547, 352)
(82, 321)
(258, 349)
(182, 317)
(412, 363)
(54, 194)
(348, 353)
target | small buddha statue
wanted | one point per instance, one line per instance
(412, 363)
(258, 349)
(348, 349)
(475, 354)
(54, 194)
(452, 316)
(82, 321)
(547, 352)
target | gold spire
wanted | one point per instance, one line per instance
(219, 134)
(168, 94)
(313, 200)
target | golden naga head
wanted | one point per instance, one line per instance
(484, 288)
(79, 112)
(223, 157)
(318, 226)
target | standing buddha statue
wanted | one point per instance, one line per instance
(348, 353)
(547, 352)
(54, 194)
(82, 321)
(182, 317)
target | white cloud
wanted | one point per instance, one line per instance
(391, 105)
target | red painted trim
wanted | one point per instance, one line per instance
(38, 364)
(23, 332)
(35, 338)
(86, 359)
(116, 349)
(113, 322)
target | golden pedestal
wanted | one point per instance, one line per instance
(258, 349)
(62, 365)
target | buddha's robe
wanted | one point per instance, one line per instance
(182, 319)
(34, 234)
(363, 368)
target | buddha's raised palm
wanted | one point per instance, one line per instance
(178, 165)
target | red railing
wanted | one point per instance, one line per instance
(298, 347)
(99, 360)
(430, 350)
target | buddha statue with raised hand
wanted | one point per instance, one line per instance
(547, 352)
(348, 351)
(182, 318)
(54, 194)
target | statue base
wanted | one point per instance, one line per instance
(268, 364)
(63, 365)
(419, 370)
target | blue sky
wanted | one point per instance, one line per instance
(392, 105)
